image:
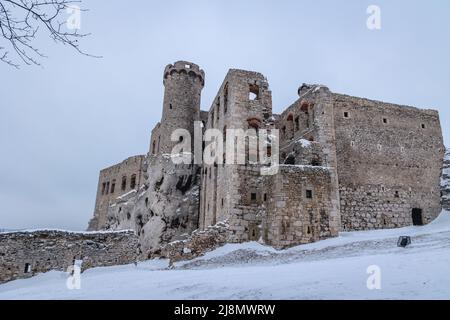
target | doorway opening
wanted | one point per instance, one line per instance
(417, 217)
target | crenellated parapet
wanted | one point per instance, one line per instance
(185, 68)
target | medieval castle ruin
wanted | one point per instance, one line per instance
(328, 162)
(343, 163)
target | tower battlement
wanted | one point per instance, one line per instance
(184, 67)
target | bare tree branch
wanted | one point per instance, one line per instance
(20, 21)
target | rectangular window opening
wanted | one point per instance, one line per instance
(253, 93)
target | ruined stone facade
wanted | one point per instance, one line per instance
(344, 163)
(26, 253)
(113, 183)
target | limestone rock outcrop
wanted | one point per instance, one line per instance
(164, 209)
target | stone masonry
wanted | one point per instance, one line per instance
(344, 163)
(114, 182)
(26, 253)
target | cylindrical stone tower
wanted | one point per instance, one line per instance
(183, 82)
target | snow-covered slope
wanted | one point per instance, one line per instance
(330, 269)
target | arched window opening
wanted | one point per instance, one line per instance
(133, 181)
(269, 151)
(290, 126)
(305, 107)
(254, 123)
(113, 186)
(124, 183)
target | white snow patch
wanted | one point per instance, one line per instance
(304, 143)
(331, 269)
(129, 193)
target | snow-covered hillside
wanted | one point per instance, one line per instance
(330, 269)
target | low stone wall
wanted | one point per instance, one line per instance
(199, 243)
(24, 254)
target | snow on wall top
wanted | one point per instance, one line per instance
(66, 231)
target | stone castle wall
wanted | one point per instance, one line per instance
(113, 182)
(299, 206)
(307, 137)
(389, 163)
(24, 254)
(366, 164)
(243, 102)
(346, 163)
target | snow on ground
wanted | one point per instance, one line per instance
(330, 269)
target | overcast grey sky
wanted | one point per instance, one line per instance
(60, 124)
